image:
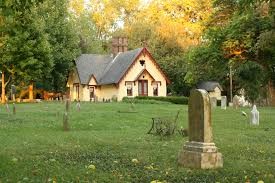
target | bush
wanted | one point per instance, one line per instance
(171, 99)
(141, 101)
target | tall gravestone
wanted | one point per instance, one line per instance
(200, 151)
(254, 116)
(223, 102)
(236, 103)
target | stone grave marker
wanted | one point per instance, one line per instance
(65, 116)
(255, 116)
(223, 102)
(7, 108)
(78, 106)
(213, 101)
(200, 151)
(236, 103)
(13, 109)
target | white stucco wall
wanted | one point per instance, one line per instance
(135, 70)
(216, 93)
(120, 90)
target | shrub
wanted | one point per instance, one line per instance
(171, 99)
(141, 101)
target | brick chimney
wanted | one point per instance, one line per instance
(119, 44)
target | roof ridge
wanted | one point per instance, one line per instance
(107, 68)
(132, 55)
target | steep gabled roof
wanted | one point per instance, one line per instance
(209, 85)
(118, 67)
(107, 70)
(142, 72)
(91, 64)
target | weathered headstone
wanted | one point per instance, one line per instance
(223, 102)
(13, 109)
(236, 103)
(78, 106)
(213, 101)
(255, 116)
(8, 108)
(65, 117)
(200, 151)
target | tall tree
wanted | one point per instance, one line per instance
(235, 39)
(38, 42)
(63, 40)
(168, 29)
(25, 53)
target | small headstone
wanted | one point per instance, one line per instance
(78, 105)
(200, 151)
(13, 109)
(236, 103)
(255, 116)
(213, 101)
(8, 108)
(65, 117)
(223, 102)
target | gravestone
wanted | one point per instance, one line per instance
(13, 109)
(200, 151)
(78, 106)
(223, 102)
(8, 108)
(255, 116)
(213, 101)
(65, 116)
(236, 103)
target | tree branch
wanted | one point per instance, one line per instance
(7, 81)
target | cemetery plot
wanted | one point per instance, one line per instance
(103, 145)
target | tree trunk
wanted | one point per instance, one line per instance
(271, 94)
(3, 96)
(31, 92)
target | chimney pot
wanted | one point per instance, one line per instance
(119, 44)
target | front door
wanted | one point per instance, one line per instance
(92, 93)
(143, 88)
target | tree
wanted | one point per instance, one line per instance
(63, 40)
(38, 42)
(25, 53)
(237, 43)
(168, 29)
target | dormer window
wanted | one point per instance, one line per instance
(142, 62)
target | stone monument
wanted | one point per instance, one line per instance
(236, 103)
(213, 101)
(223, 102)
(255, 116)
(200, 151)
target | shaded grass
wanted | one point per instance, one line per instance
(33, 147)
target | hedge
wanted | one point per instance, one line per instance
(171, 99)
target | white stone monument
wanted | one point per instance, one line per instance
(213, 101)
(254, 116)
(223, 102)
(236, 102)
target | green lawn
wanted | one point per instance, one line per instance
(33, 147)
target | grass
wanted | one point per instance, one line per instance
(33, 147)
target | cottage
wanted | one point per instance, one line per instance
(112, 77)
(213, 88)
